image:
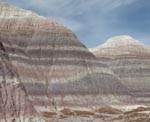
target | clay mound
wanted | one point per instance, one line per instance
(130, 61)
(54, 67)
(120, 47)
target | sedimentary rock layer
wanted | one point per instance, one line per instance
(14, 103)
(130, 60)
(54, 67)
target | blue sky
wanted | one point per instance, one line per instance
(94, 21)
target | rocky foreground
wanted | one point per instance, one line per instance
(107, 114)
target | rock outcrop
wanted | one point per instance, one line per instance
(53, 68)
(130, 60)
(14, 103)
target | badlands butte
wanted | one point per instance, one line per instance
(130, 61)
(47, 74)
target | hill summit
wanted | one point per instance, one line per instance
(122, 40)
